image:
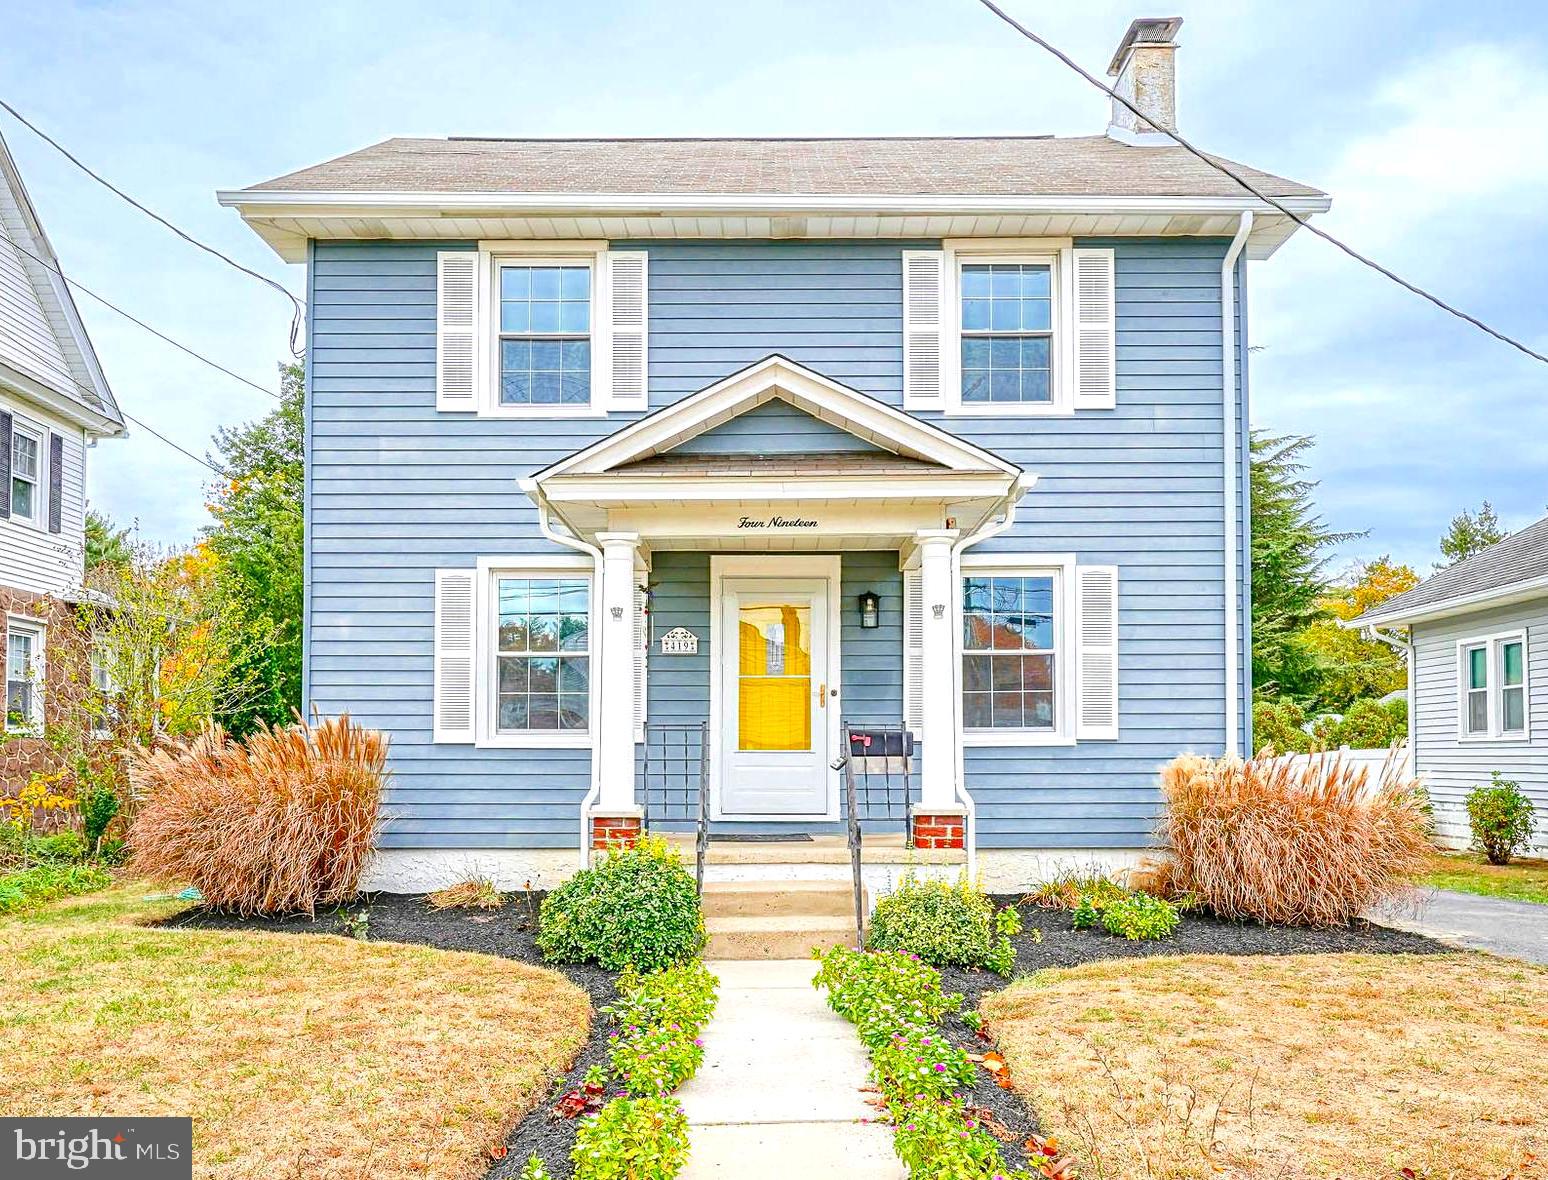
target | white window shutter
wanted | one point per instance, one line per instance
(913, 651)
(456, 329)
(628, 319)
(641, 653)
(1095, 330)
(454, 655)
(1096, 655)
(924, 319)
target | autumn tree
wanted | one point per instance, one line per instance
(1351, 666)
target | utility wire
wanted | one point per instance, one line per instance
(175, 446)
(111, 306)
(298, 312)
(1262, 196)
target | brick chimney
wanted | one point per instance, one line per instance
(1146, 76)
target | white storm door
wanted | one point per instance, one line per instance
(775, 672)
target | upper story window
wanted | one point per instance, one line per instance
(1009, 645)
(1007, 332)
(542, 654)
(545, 334)
(26, 473)
(1492, 672)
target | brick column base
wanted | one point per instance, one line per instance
(940, 829)
(614, 831)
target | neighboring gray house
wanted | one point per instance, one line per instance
(605, 436)
(1477, 636)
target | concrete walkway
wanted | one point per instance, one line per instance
(778, 1095)
(1518, 929)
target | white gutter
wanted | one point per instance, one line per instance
(1228, 407)
(990, 528)
(545, 526)
(1456, 605)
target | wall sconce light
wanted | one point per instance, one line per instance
(870, 610)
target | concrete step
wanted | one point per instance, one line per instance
(749, 899)
(779, 936)
(819, 850)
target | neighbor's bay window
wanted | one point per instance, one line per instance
(1007, 332)
(1009, 645)
(1492, 676)
(542, 654)
(545, 334)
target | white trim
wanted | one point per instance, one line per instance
(774, 566)
(1493, 646)
(1459, 604)
(37, 629)
(1231, 457)
(485, 694)
(1063, 567)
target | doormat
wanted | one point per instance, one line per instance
(750, 838)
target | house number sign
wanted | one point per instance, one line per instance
(679, 641)
(776, 522)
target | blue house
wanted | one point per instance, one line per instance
(631, 461)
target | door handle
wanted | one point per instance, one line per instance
(822, 696)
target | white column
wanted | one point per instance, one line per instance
(938, 764)
(613, 666)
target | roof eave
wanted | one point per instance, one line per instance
(1459, 604)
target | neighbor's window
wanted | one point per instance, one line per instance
(1008, 651)
(23, 676)
(545, 334)
(1007, 332)
(1493, 680)
(543, 654)
(26, 478)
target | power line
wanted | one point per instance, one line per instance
(111, 306)
(298, 308)
(1220, 167)
(175, 446)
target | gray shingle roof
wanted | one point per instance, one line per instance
(1520, 557)
(977, 166)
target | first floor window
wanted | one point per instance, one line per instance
(545, 334)
(26, 463)
(1512, 687)
(1492, 675)
(1008, 651)
(23, 676)
(1477, 705)
(542, 654)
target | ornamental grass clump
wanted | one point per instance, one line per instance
(1313, 844)
(946, 924)
(281, 823)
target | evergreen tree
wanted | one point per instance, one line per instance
(106, 543)
(1470, 534)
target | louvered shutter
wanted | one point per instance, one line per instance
(913, 650)
(1096, 654)
(641, 654)
(924, 310)
(456, 330)
(454, 655)
(5, 464)
(1095, 324)
(55, 483)
(628, 320)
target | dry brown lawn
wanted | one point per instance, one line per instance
(1348, 1066)
(297, 1055)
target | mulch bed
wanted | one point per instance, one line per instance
(510, 933)
(1199, 934)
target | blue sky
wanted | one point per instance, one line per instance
(1428, 122)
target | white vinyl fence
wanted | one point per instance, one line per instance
(1372, 761)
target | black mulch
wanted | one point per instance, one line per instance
(510, 933)
(1199, 934)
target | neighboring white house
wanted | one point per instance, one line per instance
(54, 405)
(1477, 634)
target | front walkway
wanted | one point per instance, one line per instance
(1518, 929)
(778, 1095)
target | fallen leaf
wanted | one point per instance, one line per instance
(499, 1151)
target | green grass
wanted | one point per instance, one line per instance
(49, 881)
(1467, 872)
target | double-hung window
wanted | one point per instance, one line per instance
(26, 474)
(542, 654)
(1007, 332)
(1010, 645)
(1492, 698)
(23, 676)
(544, 353)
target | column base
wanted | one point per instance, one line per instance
(940, 827)
(616, 829)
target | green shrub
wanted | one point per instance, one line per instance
(921, 1061)
(48, 881)
(883, 992)
(656, 1047)
(98, 804)
(946, 925)
(1140, 917)
(942, 1140)
(632, 1139)
(1088, 910)
(59, 846)
(637, 907)
(1365, 725)
(1280, 724)
(1501, 818)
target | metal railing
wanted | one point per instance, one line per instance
(877, 761)
(674, 781)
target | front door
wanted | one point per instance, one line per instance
(775, 687)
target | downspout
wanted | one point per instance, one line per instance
(1232, 526)
(571, 541)
(990, 528)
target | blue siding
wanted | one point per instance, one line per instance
(398, 491)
